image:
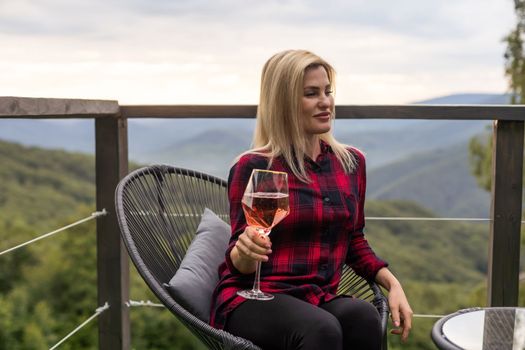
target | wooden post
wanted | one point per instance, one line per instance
(507, 187)
(112, 258)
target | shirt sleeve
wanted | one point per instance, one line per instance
(237, 180)
(360, 257)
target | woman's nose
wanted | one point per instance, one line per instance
(325, 101)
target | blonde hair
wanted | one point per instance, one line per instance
(279, 125)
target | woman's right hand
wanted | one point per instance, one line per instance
(250, 248)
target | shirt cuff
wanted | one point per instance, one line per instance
(233, 270)
(378, 265)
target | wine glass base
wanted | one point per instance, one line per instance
(254, 294)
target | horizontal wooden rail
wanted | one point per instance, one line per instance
(439, 112)
(27, 107)
(189, 111)
(42, 108)
(436, 112)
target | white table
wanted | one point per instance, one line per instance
(492, 328)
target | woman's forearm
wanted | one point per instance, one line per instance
(386, 278)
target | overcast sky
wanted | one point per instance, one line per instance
(212, 51)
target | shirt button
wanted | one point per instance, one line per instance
(324, 267)
(326, 199)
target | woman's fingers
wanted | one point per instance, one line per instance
(251, 244)
(400, 312)
(394, 315)
(251, 251)
(407, 324)
(402, 324)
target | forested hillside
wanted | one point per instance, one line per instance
(439, 180)
(47, 289)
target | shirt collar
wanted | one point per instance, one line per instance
(325, 147)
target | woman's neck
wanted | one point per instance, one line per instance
(313, 147)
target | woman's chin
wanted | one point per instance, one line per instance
(319, 128)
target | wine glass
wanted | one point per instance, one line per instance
(265, 204)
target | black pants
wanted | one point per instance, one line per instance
(290, 323)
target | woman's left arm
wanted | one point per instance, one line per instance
(400, 310)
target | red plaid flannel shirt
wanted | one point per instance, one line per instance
(323, 231)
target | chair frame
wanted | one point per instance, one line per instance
(211, 337)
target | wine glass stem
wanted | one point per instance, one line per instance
(257, 281)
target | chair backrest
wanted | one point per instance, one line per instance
(160, 208)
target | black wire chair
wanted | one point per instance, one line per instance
(159, 208)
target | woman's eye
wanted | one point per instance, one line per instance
(329, 92)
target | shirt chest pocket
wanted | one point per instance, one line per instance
(351, 202)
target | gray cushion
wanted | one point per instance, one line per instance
(193, 284)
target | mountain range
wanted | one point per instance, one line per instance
(399, 152)
(39, 187)
(439, 180)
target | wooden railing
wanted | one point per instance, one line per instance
(112, 164)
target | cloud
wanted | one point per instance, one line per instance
(432, 19)
(203, 51)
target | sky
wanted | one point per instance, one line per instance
(212, 51)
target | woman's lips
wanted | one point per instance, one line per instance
(322, 115)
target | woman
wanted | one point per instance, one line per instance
(302, 259)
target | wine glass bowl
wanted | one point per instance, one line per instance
(265, 203)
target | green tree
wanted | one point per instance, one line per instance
(514, 58)
(481, 147)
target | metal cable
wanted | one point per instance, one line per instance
(428, 316)
(402, 218)
(92, 216)
(98, 311)
(132, 303)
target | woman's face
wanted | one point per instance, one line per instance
(317, 101)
